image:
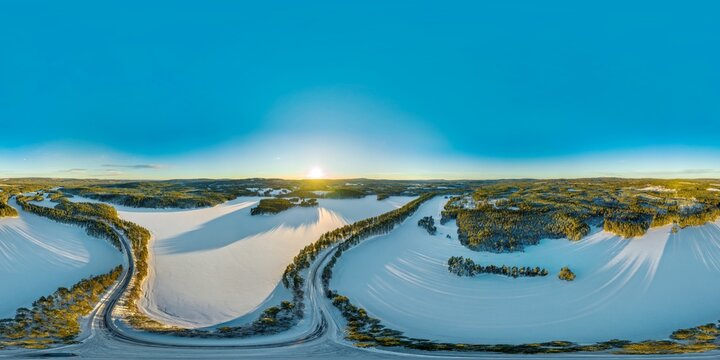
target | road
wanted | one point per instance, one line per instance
(103, 338)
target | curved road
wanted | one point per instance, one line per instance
(104, 339)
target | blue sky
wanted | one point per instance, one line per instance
(399, 89)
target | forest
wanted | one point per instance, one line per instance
(509, 215)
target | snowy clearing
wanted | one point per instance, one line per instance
(637, 289)
(657, 188)
(38, 255)
(210, 266)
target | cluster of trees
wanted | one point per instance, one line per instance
(532, 210)
(505, 230)
(566, 274)
(85, 215)
(308, 203)
(54, 318)
(276, 205)
(271, 206)
(698, 339)
(272, 320)
(5, 209)
(466, 267)
(428, 223)
(627, 224)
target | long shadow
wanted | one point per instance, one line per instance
(235, 226)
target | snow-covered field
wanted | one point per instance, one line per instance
(213, 265)
(38, 255)
(637, 289)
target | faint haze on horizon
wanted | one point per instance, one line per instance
(386, 90)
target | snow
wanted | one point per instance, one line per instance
(637, 289)
(657, 189)
(713, 189)
(38, 255)
(214, 265)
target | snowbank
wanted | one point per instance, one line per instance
(38, 255)
(637, 289)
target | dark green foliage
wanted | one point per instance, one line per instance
(466, 267)
(428, 223)
(501, 230)
(308, 203)
(271, 206)
(511, 214)
(89, 216)
(276, 205)
(627, 224)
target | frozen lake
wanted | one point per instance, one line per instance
(38, 255)
(637, 289)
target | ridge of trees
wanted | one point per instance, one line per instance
(467, 267)
(54, 319)
(80, 214)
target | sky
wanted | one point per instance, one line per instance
(378, 89)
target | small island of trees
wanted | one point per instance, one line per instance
(277, 205)
(428, 223)
(566, 274)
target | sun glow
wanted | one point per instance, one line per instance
(316, 173)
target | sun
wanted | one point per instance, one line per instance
(316, 173)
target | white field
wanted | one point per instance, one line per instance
(213, 265)
(642, 288)
(38, 255)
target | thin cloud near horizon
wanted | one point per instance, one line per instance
(135, 166)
